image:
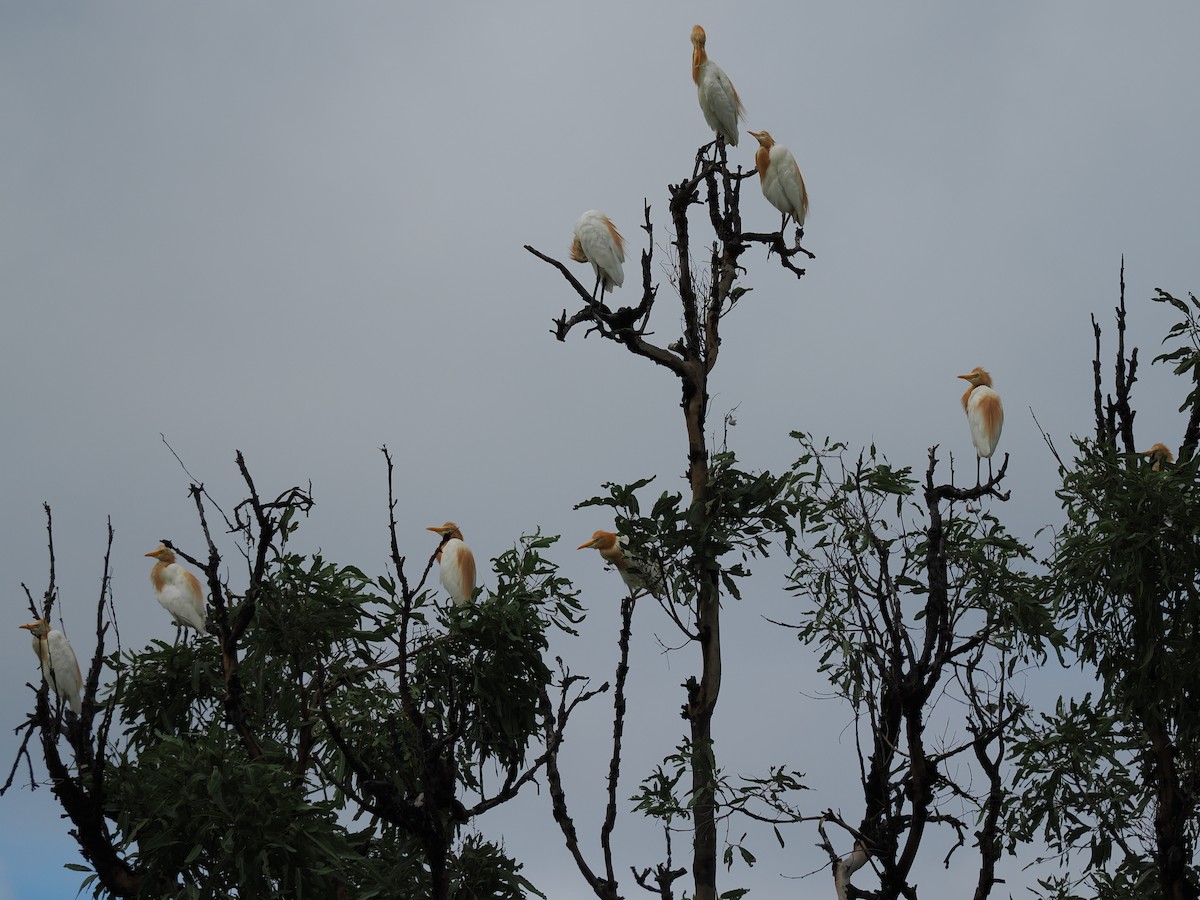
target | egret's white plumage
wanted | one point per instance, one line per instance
(718, 100)
(597, 241)
(845, 867)
(985, 414)
(178, 590)
(457, 564)
(779, 175)
(60, 668)
(638, 574)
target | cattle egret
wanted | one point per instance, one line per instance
(178, 590)
(986, 416)
(638, 574)
(1160, 454)
(718, 100)
(782, 183)
(457, 564)
(845, 867)
(597, 241)
(59, 666)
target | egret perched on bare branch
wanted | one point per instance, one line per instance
(597, 241)
(845, 867)
(638, 574)
(985, 414)
(1160, 455)
(779, 175)
(718, 100)
(457, 564)
(59, 666)
(178, 590)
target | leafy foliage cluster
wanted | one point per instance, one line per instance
(1114, 776)
(328, 750)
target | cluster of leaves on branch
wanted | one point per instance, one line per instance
(743, 513)
(1113, 777)
(922, 608)
(331, 739)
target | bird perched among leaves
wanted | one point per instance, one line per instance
(985, 414)
(59, 666)
(637, 573)
(597, 241)
(780, 178)
(718, 100)
(457, 564)
(1160, 455)
(178, 590)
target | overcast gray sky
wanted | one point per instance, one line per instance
(296, 230)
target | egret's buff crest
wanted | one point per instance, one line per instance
(606, 543)
(449, 530)
(977, 377)
(1159, 454)
(762, 155)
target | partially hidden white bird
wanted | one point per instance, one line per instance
(178, 590)
(597, 241)
(457, 564)
(60, 668)
(846, 866)
(1160, 455)
(780, 178)
(985, 414)
(718, 100)
(638, 574)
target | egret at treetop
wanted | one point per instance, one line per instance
(779, 175)
(637, 573)
(457, 564)
(718, 100)
(597, 241)
(985, 414)
(60, 669)
(1160, 455)
(178, 590)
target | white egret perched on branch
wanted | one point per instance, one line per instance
(597, 241)
(780, 178)
(178, 590)
(985, 414)
(457, 564)
(59, 666)
(638, 574)
(718, 100)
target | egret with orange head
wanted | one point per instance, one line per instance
(1161, 456)
(60, 668)
(718, 100)
(637, 573)
(780, 178)
(457, 564)
(985, 414)
(178, 590)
